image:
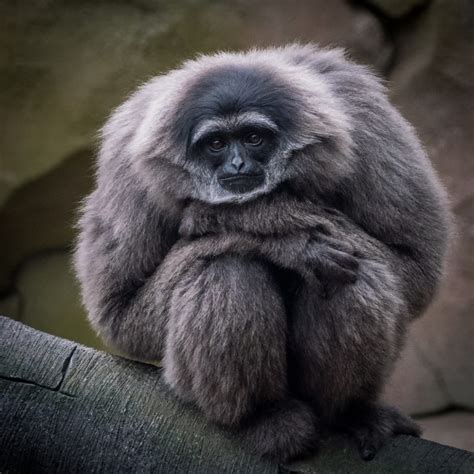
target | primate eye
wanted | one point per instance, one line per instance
(216, 144)
(253, 139)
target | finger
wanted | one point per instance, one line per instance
(323, 229)
(330, 271)
(332, 242)
(368, 449)
(332, 261)
(364, 443)
(336, 216)
(343, 259)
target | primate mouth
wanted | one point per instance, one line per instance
(242, 183)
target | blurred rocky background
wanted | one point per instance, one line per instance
(66, 64)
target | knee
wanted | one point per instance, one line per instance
(233, 287)
(226, 341)
(239, 274)
(231, 306)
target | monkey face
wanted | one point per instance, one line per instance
(233, 130)
(238, 160)
(234, 154)
(237, 123)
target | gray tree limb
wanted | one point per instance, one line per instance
(67, 408)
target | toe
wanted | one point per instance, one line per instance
(369, 442)
(367, 453)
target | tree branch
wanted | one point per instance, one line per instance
(68, 408)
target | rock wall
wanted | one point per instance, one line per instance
(66, 65)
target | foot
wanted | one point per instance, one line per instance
(372, 425)
(283, 432)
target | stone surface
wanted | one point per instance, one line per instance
(453, 429)
(416, 387)
(397, 8)
(333, 23)
(433, 85)
(40, 216)
(50, 298)
(10, 306)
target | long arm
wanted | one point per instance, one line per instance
(396, 197)
(129, 259)
(123, 239)
(291, 233)
(393, 193)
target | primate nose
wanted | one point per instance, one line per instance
(237, 162)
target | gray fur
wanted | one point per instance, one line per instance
(280, 311)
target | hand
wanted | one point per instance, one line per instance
(332, 264)
(332, 259)
(198, 221)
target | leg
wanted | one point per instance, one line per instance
(373, 424)
(226, 352)
(346, 343)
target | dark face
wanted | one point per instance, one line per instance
(237, 123)
(237, 155)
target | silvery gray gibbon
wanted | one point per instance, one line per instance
(267, 225)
